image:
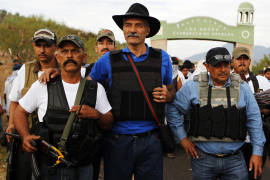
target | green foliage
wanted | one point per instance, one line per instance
(17, 32)
(262, 64)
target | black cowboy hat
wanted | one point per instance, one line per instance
(138, 10)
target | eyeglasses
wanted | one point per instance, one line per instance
(221, 57)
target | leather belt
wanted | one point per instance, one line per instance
(221, 155)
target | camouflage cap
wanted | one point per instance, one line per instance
(105, 33)
(46, 35)
(71, 38)
(239, 51)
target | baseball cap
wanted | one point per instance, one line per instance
(217, 55)
(105, 33)
(46, 35)
(71, 38)
(239, 51)
(175, 60)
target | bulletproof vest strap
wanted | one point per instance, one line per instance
(228, 97)
(209, 95)
(64, 137)
(227, 93)
(254, 80)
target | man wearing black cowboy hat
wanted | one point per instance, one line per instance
(133, 146)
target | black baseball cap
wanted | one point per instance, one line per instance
(217, 55)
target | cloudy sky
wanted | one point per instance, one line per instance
(93, 15)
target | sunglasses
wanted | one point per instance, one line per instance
(221, 57)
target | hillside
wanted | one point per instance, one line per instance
(258, 53)
(17, 32)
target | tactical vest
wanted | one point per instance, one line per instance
(126, 96)
(85, 135)
(217, 116)
(31, 75)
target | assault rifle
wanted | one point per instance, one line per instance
(43, 147)
(46, 148)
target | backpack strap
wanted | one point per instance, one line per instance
(64, 137)
(254, 80)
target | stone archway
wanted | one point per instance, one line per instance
(208, 28)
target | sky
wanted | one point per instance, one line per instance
(93, 15)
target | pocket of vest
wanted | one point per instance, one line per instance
(232, 121)
(242, 123)
(194, 123)
(204, 122)
(218, 121)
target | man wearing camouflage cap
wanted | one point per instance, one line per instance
(105, 42)
(55, 103)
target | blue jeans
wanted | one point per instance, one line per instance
(208, 167)
(60, 173)
(125, 155)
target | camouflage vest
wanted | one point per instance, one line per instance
(31, 75)
(218, 97)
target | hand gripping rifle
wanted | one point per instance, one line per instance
(46, 148)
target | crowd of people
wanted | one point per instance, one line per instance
(113, 109)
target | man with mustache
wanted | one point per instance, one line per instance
(44, 46)
(105, 42)
(133, 147)
(55, 102)
(241, 63)
(222, 110)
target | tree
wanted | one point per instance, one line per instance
(262, 64)
(3, 14)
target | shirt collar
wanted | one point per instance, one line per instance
(126, 50)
